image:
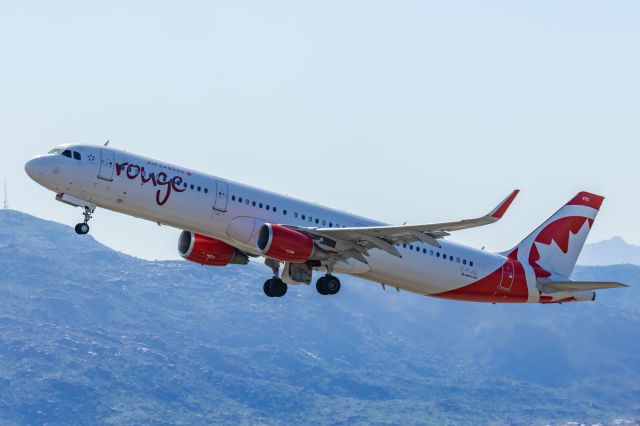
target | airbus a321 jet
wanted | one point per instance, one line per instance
(226, 222)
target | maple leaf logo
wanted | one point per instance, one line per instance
(556, 248)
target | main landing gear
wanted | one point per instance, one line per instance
(83, 228)
(274, 287)
(328, 285)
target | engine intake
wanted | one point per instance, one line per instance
(282, 243)
(209, 251)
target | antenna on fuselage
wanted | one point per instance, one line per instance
(107, 143)
(6, 196)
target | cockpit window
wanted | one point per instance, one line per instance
(66, 153)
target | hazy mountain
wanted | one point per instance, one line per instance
(615, 251)
(90, 336)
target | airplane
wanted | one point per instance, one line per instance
(226, 222)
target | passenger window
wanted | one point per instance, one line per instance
(76, 155)
(411, 247)
(206, 190)
(317, 221)
(284, 212)
(254, 204)
(67, 153)
(246, 201)
(303, 217)
(199, 188)
(324, 223)
(430, 252)
(464, 261)
(233, 197)
(330, 225)
(438, 254)
(260, 205)
(193, 187)
(424, 251)
(275, 210)
(457, 260)
(404, 245)
(470, 263)
(267, 206)
(239, 199)
(295, 214)
(451, 258)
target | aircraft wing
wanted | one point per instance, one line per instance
(356, 241)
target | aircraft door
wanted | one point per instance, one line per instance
(107, 164)
(222, 196)
(508, 274)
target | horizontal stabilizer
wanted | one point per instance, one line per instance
(557, 286)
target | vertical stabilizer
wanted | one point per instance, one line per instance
(553, 249)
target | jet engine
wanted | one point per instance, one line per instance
(209, 251)
(282, 243)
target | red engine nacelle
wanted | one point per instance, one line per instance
(282, 243)
(209, 251)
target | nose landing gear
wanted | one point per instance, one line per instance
(83, 228)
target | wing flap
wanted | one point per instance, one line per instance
(558, 286)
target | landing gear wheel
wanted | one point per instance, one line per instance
(332, 285)
(266, 288)
(82, 229)
(275, 287)
(321, 286)
(328, 285)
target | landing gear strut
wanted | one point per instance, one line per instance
(274, 287)
(83, 228)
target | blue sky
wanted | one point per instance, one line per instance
(402, 111)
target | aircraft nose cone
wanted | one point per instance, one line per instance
(33, 168)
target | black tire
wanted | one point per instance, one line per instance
(277, 287)
(332, 285)
(82, 229)
(283, 289)
(267, 288)
(321, 286)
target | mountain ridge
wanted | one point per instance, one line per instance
(88, 335)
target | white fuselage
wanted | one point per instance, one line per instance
(233, 212)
